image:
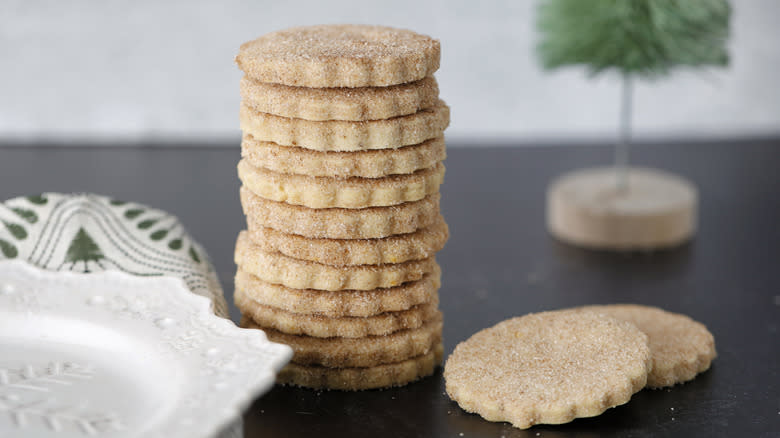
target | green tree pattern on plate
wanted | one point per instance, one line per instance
(89, 233)
(83, 249)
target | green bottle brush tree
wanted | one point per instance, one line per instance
(636, 39)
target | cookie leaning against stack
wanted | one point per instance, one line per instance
(341, 165)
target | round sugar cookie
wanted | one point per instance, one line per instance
(375, 163)
(367, 351)
(656, 210)
(300, 274)
(340, 223)
(548, 368)
(355, 104)
(680, 347)
(328, 192)
(359, 379)
(340, 56)
(346, 136)
(336, 304)
(419, 245)
(319, 326)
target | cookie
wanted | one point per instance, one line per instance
(355, 104)
(360, 303)
(358, 379)
(419, 245)
(339, 135)
(548, 368)
(325, 192)
(366, 164)
(367, 351)
(346, 327)
(340, 223)
(680, 347)
(340, 56)
(300, 274)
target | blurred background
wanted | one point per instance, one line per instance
(112, 72)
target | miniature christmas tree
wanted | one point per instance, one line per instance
(83, 249)
(636, 39)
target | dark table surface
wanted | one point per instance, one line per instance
(500, 263)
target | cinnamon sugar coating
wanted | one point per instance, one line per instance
(355, 104)
(680, 347)
(375, 163)
(324, 327)
(548, 368)
(421, 244)
(368, 351)
(340, 56)
(359, 379)
(339, 135)
(340, 223)
(326, 192)
(300, 274)
(334, 304)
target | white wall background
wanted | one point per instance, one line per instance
(163, 70)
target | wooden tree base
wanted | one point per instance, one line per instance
(656, 209)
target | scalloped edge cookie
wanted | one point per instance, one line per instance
(359, 379)
(365, 164)
(680, 347)
(548, 368)
(360, 303)
(340, 56)
(300, 274)
(368, 351)
(324, 192)
(344, 136)
(340, 223)
(319, 326)
(421, 244)
(351, 104)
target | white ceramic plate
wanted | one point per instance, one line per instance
(114, 355)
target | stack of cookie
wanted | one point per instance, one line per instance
(341, 165)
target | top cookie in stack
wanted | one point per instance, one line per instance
(341, 165)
